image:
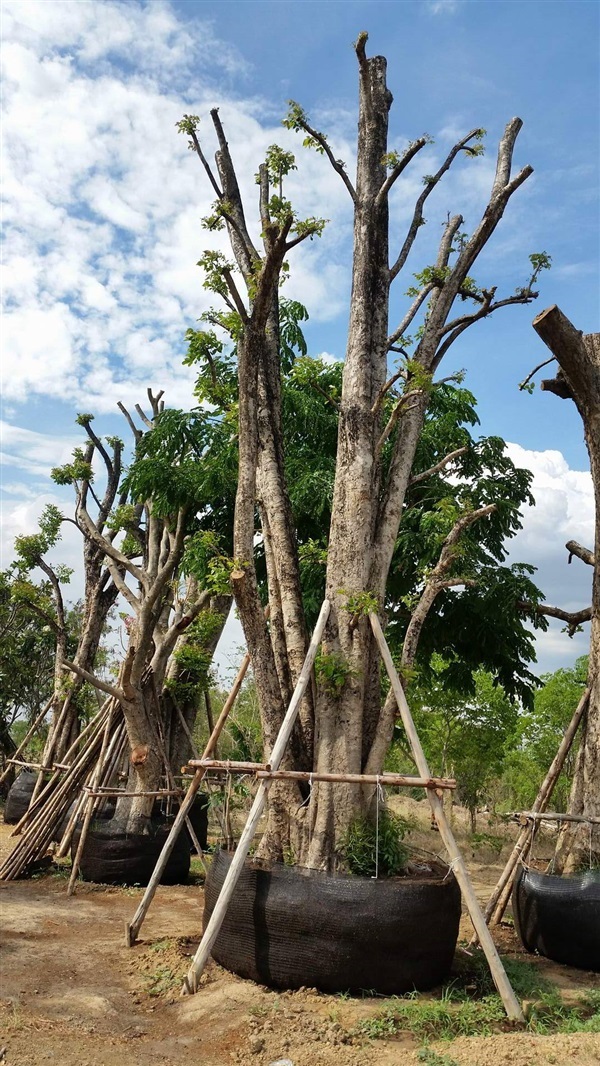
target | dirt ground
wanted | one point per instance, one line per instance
(72, 994)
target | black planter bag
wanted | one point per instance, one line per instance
(289, 927)
(19, 797)
(113, 857)
(559, 917)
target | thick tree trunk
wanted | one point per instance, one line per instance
(339, 720)
(578, 356)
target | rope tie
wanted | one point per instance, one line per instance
(380, 799)
(306, 802)
(451, 867)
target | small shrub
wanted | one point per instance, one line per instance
(369, 848)
(332, 672)
(488, 840)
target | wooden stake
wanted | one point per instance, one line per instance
(216, 919)
(132, 928)
(91, 805)
(511, 1003)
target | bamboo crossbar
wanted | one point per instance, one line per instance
(39, 766)
(105, 792)
(33, 765)
(393, 780)
(265, 773)
(551, 816)
(226, 766)
(35, 725)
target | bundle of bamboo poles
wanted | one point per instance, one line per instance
(93, 757)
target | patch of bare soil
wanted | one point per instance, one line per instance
(72, 994)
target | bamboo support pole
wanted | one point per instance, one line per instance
(92, 729)
(38, 834)
(186, 730)
(32, 729)
(65, 841)
(132, 928)
(216, 919)
(90, 805)
(195, 842)
(509, 999)
(498, 901)
(112, 756)
(27, 739)
(263, 772)
(99, 792)
(50, 745)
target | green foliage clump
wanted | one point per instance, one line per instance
(194, 658)
(332, 671)
(376, 845)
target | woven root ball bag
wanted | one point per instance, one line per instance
(287, 927)
(559, 917)
(113, 857)
(19, 797)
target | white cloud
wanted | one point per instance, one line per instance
(24, 449)
(564, 510)
(443, 7)
(104, 201)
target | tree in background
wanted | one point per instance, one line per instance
(27, 654)
(465, 737)
(540, 729)
(158, 541)
(343, 724)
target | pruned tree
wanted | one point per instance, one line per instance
(343, 726)
(75, 635)
(578, 379)
(150, 540)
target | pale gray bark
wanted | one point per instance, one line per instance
(578, 357)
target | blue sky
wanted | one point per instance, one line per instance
(103, 203)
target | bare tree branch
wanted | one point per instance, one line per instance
(572, 618)
(144, 417)
(137, 433)
(410, 314)
(437, 581)
(395, 173)
(111, 690)
(205, 164)
(89, 530)
(337, 164)
(395, 415)
(535, 370)
(438, 466)
(582, 553)
(417, 219)
(240, 306)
